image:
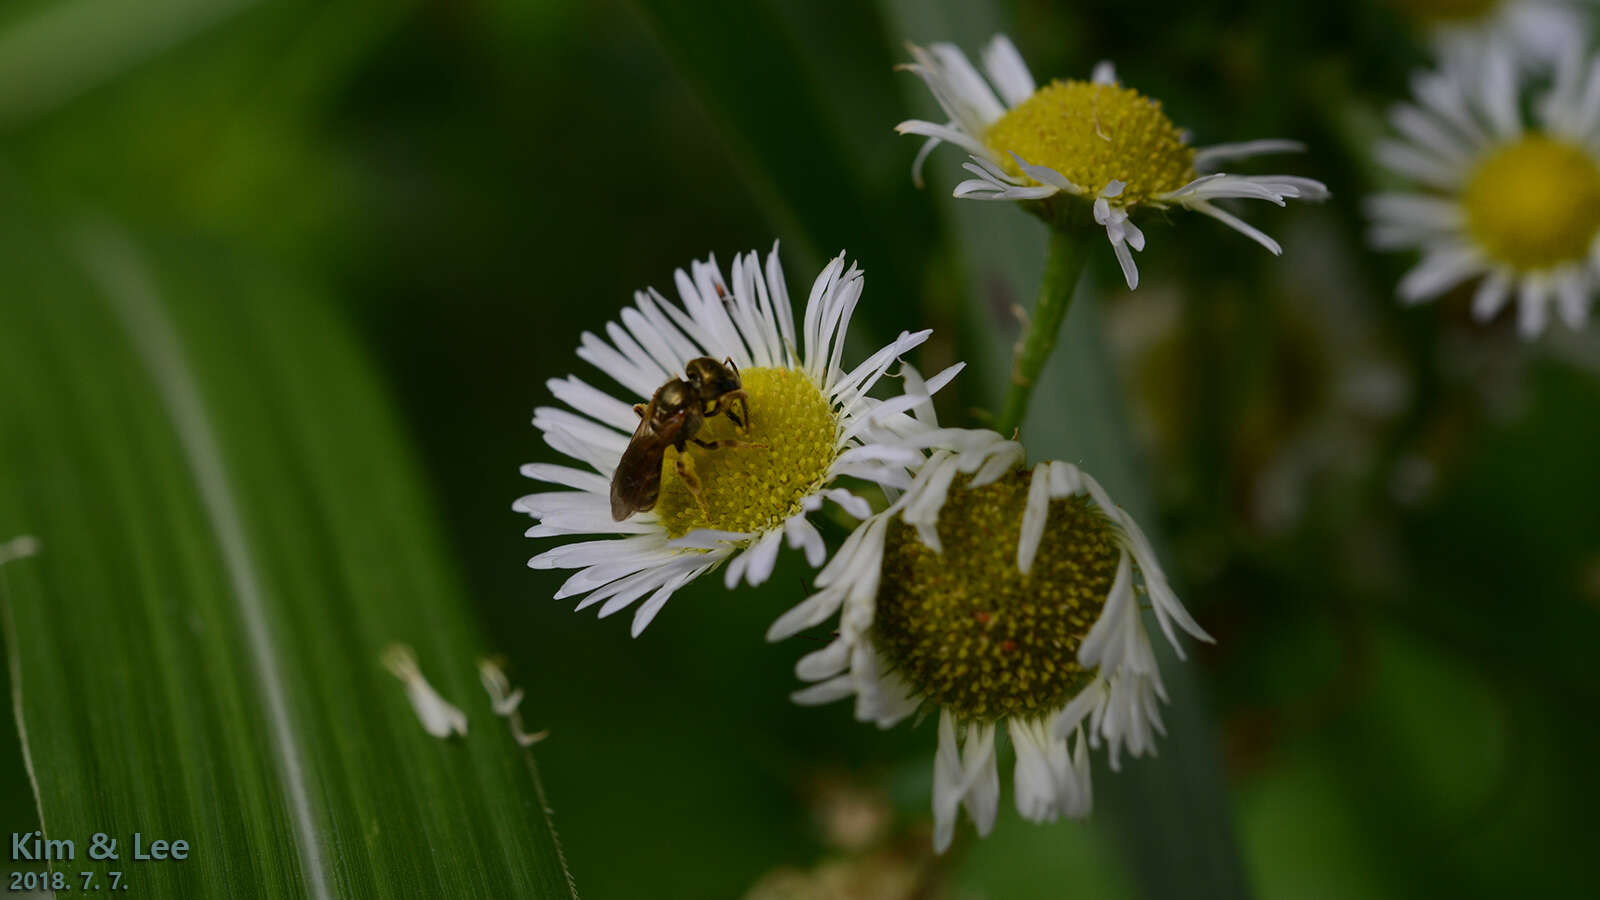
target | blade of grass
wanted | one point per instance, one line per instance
(801, 107)
(64, 49)
(232, 532)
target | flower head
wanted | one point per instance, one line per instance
(747, 481)
(1094, 146)
(1512, 203)
(1533, 31)
(1001, 596)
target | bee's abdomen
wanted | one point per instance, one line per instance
(636, 484)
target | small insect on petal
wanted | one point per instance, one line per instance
(438, 716)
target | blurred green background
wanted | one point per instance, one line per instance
(1388, 517)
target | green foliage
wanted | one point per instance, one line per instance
(231, 534)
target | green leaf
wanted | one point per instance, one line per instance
(51, 53)
(801, 95)
(232, 531)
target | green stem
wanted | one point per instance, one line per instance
(1069, 250)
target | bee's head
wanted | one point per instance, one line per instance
(710, 378)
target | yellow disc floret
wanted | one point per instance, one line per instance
(1096, 133)
(1535, 203)
(755, 488)
(967, 630)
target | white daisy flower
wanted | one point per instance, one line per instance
(1072, 149)
(999, 595)
(806, 413)
(1512, 203)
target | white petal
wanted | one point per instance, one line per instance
(825, 663)
(921, 158)
(1406, 160)
(1238, 225)
(1048, 176)
(1130, 271)
(1429, 134)
(646, 613)
(566, 475)
(763, 557)
(982, 774)
(1572, 298)
(947, 783)
(808, 613)
(1007, 70)
(977, 104)
(1080, 707)
(1532, 307)
(1491, 296)
(945, 133)
(1499, 94)
(1034, 516)
(824, 692)
(735, 570)
(1419, 211)
(438, 716)
(709, 539)
(848, 502)
(1034, 781)
(1440, 271)
(803, 535)
(1206, 157)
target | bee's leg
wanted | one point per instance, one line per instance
(743, 399)
(638, 409)
(692, 482)
(726, 444)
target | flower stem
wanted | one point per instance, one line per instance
(1068, 252)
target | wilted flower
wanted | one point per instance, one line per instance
(1000, 596)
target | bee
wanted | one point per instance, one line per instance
(672, 418)
(718, 387)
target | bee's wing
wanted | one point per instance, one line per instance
(637, 481)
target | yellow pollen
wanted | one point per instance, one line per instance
(970, 632)
(1535, 203)
(1448, 11)
(1094, 134)
(754, 489)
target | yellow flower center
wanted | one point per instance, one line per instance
(1535, 203)
(754, 489)
(1448, 11)
(1093, 134)
(970, 632)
